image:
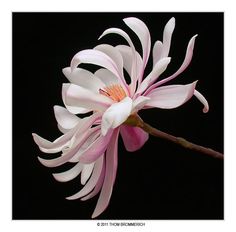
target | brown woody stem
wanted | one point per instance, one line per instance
(135, 120)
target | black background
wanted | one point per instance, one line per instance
(161, 180)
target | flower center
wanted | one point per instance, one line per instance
(115, 92)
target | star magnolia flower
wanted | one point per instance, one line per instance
(91, 142)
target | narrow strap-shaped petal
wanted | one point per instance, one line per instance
(72, 109)
(203, 100)
(116, 114)
(64, 118)
(96, 149)
(186, 62)
(133, 137)
(141, 30)
(156, 52)
(69, 174)
(111, 156)
(83, 78)
(159, 68)
(171, 96)
(167, 34)
(86, 172)
(79, 96)
(92, 181)
(98, 184)
(91, 56)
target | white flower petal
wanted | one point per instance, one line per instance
(69, 174)
(167, 34)
(79, 96)
(72, 109)
(139, 103)
(91, 56)
(171, 96)
(92, 181)
(116, 114)
(83, 78)
(86, 172)
(158, 69)
(107, 77)
(64, 118)
(203, 100)
(141, 30)
(156, 52)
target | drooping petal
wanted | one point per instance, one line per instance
(69, 174)
(133, 137)
(92, 181)
(156, 52)
(107, 77)
(167, 34)
(141, 30)
(98, 185)
(186, 62)
(86, 172)
(96, 149)
(116, 114)
(72, 109)
(171, 96)
(159, 68)
(83, 78)
(91, 56)
(79, 96)
(139, 103)
(64, 118)
(111, 156)
(203, 100)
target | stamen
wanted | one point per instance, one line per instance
(115, 92)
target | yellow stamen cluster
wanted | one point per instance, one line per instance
(115, 92)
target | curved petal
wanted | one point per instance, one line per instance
(116, 114)
(86, 172)
(96, 149)
(107, 77)
(92, 181)
(139, 103)
(159, 68)
(141, 30)
(186, 62)
(91, 56)
(98, 185)
(72, 109)
(156, 52)
(133, 137)
(171, 96)
(167, 34)
(64, 118)
(203, 100)
(69, 174)
(83, 78)
(79, 96)
(111, 157)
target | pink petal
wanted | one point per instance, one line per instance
(111, 156)
(69, 174)
(186, 62)
(171, 96)
(95, 57)
(96, 149)
(139, 103)
(79, 96)
(86, 172)
(156, 52)
(141, 30)
(133, 137)
(203, 100)
(92, 181)
(107, 77)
